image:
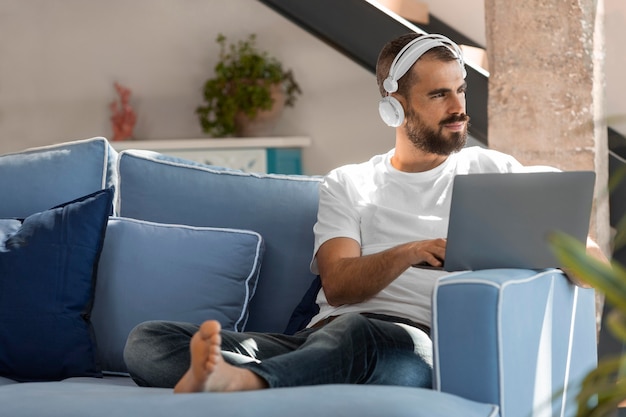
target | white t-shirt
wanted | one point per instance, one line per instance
(381, 207)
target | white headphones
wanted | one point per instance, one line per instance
(389, 107)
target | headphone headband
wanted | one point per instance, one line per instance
(389, 107)
(412, 51)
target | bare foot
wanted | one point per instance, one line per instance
(208, 370)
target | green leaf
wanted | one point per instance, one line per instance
(616, 322)
(602, 389)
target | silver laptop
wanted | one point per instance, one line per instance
(504, 220)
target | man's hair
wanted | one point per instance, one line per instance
(393, 48)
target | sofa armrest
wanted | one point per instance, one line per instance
(521, 339)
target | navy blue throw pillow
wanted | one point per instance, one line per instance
(48, 263)
(306, 309)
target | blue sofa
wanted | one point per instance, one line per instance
(190, 242)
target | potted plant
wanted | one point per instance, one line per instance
(248, 83)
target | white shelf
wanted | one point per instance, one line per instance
(214, 143)
(279, 154)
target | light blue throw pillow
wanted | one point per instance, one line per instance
(153, 271)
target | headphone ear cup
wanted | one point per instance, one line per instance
(391, 111)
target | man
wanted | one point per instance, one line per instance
(376, 220)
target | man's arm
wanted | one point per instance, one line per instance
(349, 278)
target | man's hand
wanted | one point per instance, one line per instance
(431, 252)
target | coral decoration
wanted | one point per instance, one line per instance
(123, 116)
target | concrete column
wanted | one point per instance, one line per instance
(546, 89)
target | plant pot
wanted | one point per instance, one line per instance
(264, 122)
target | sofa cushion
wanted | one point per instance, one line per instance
(282, 208)
(152, 271)
(78, 397)
(37, 179)
(47, 273)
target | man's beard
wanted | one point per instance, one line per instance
(434, 141)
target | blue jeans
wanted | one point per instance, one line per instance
(353, 348)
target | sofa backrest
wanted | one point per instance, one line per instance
(37, 179)
(281, 208)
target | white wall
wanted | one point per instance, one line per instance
(59, 59)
